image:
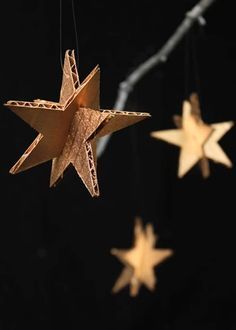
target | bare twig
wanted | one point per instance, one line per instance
(126, 86)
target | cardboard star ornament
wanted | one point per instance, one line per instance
(140, 261)
(68, 129)
(198, 141)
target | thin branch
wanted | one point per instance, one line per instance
(126, 86)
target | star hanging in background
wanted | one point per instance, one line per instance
(197, 140)
(140, 260)
(68, 130)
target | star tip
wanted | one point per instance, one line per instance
(153, 135)
(114, 290)
(7, 104)
(149, 225)
(12, 171)
(138, 221)
(95, 194)
(153, 287)
(52, 184)
(133, 293)
(113, 251)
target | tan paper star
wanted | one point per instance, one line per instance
(68, 130)
(140, 260)
(198, 141)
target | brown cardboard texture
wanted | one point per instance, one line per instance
(68, 130)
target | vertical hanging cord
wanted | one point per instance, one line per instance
(195, 67)
(60, 35)
(186, 68)
(60, 31)
(191, 67)
(75, 28)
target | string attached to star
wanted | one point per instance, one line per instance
(75, 26)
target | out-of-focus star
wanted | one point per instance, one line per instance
(68, 129)
(198, 141)
(140, 260)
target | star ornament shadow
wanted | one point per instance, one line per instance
(197, 140)
(69, 129)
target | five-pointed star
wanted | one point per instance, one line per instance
(140, 260)
(197, 140)
(68, 129)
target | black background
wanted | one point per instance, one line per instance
(56, 271)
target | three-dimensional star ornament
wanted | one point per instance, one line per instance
(68, 129)
(140, 260)
(198, 141)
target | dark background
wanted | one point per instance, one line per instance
(56, 271)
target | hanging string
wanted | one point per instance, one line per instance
(60, 35)
(75, 27)
(61, 28)
(191, 70)
(195, 66)
(186, 68)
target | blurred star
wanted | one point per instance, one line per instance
(140, 260)
(198, 141)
